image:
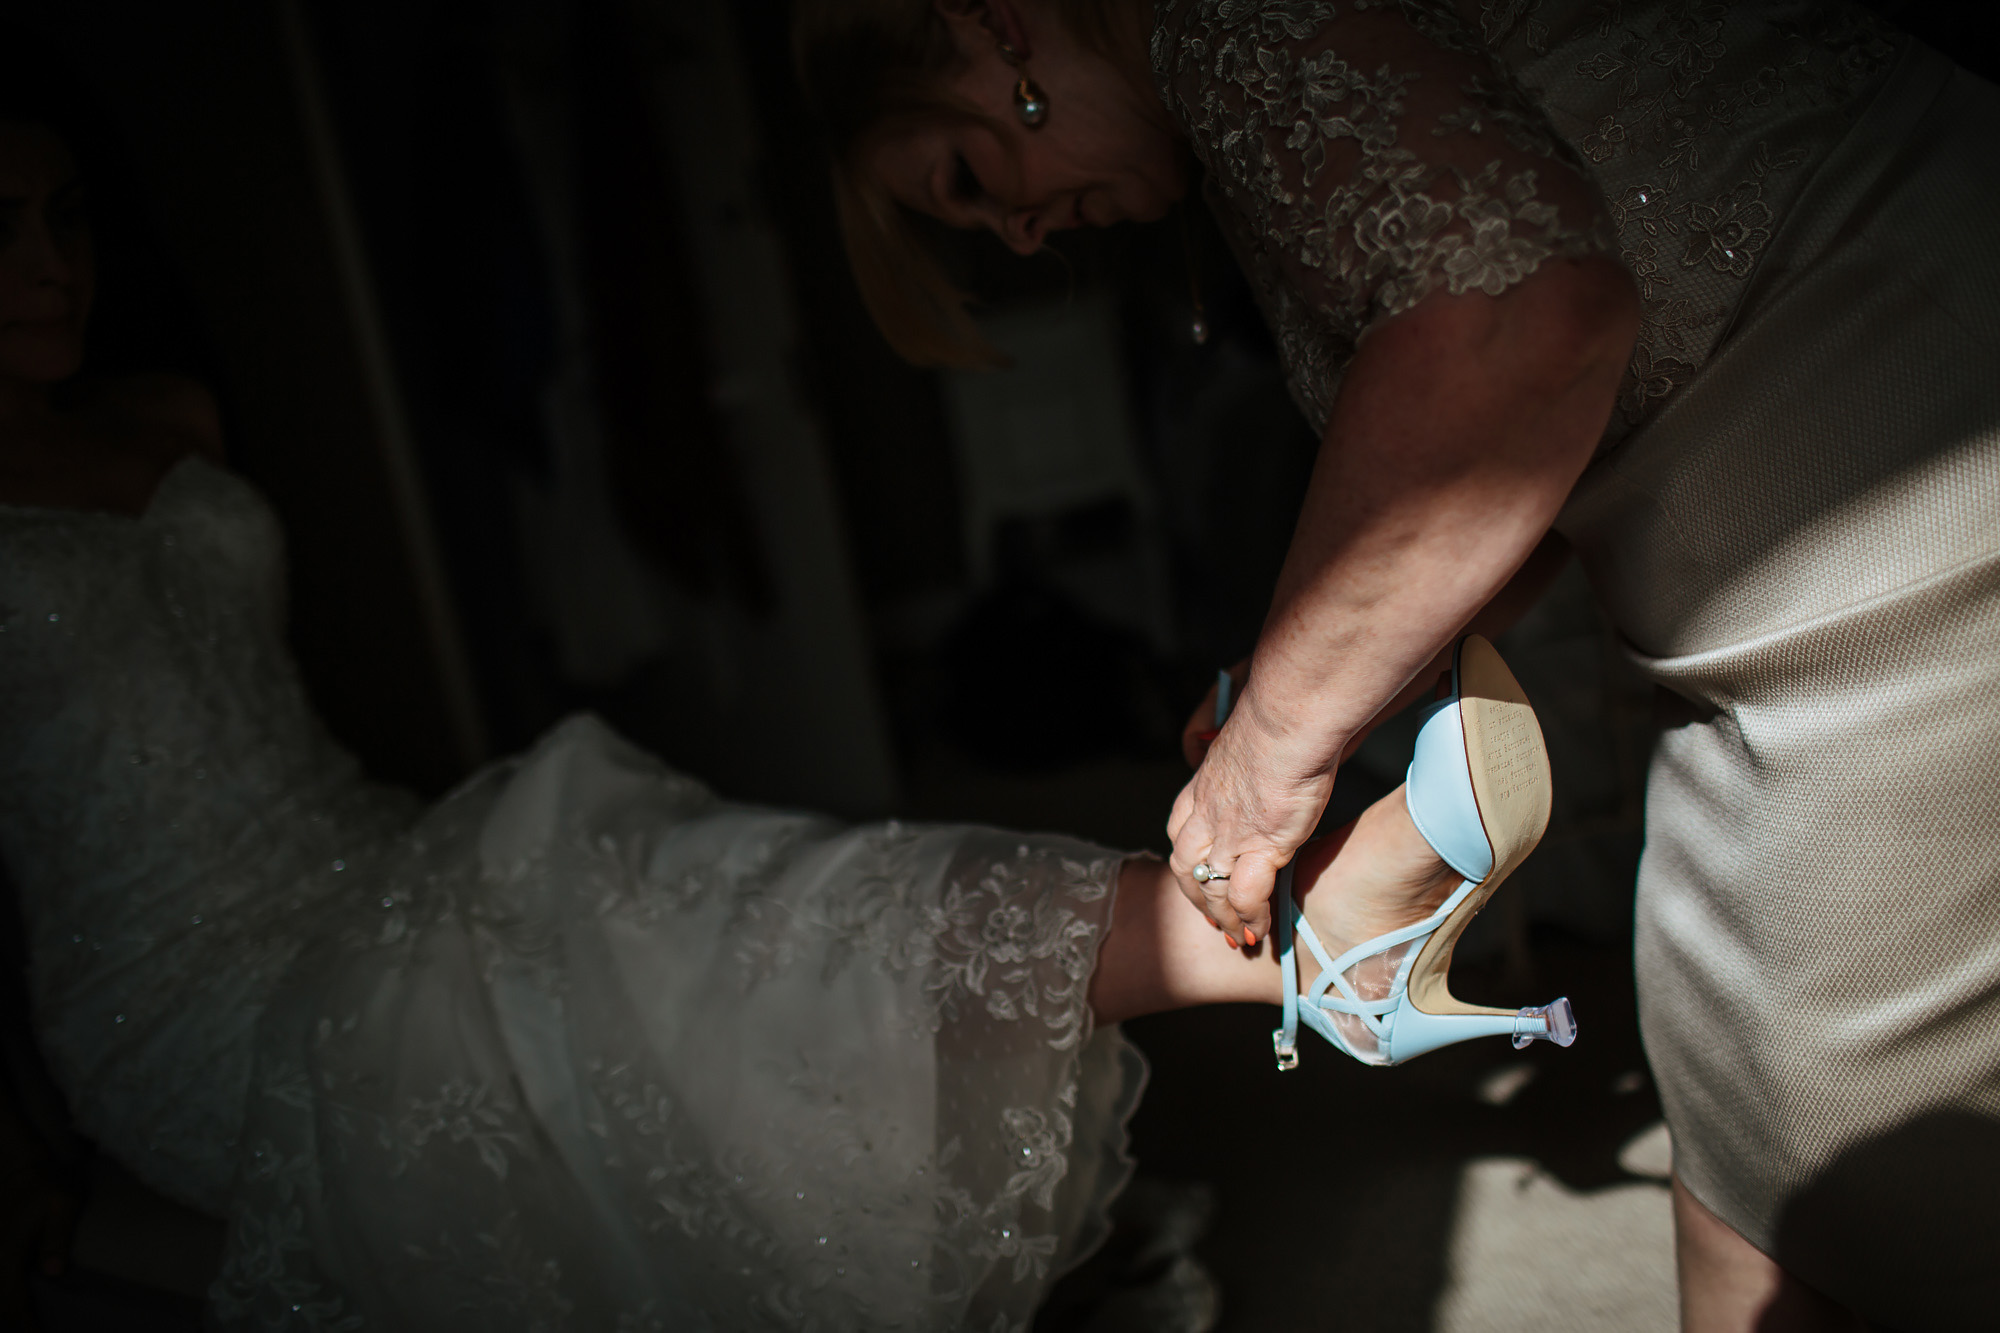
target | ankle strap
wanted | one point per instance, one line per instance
(1286, 1039)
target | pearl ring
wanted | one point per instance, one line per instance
(1205, 872)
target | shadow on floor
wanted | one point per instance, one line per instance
(1336, 1185)
(88, 1302)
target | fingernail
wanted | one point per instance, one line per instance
(1232, 943)
(1249, 936)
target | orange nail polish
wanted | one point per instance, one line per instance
(1249, 936)
(1232, 943)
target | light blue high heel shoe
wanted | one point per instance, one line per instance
(1478, 790)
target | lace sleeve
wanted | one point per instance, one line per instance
(1364, 154)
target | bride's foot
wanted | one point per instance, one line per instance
(1477, 799)
(1373, 876)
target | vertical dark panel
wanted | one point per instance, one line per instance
(673, 467)
(458, 262)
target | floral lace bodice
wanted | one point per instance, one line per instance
(1364, 153)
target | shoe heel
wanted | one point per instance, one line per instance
(1556, 1021)
(1412, 1032)
(1478, 792)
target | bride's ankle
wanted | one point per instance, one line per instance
(1375, 875)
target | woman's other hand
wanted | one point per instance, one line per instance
(1200, 731)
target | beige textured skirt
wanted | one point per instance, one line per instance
(1804, 547)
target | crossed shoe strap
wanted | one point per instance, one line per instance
(1293, 926)
(1286, 1039)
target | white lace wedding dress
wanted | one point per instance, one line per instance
(582, 1046)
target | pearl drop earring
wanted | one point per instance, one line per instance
(1030, 102)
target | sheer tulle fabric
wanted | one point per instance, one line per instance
(1373, 978)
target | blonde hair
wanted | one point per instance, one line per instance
(872, 68)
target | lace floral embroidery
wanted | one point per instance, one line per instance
(1366, 155)
(462, 1112)
(1682, 80)
(1021, 954)
(840, 1210)
(268, 1279)
(1698, 121)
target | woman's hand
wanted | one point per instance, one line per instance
(1250, 797)
(1232, 784)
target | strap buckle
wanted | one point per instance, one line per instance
(1288, 1053)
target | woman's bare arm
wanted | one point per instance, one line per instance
(1530, 581)
(1457, 434)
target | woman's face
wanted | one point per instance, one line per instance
(1106, 154)
(46, 271)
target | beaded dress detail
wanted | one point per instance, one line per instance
(581, 1046)
(170, 809)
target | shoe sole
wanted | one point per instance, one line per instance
(1509, 764)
